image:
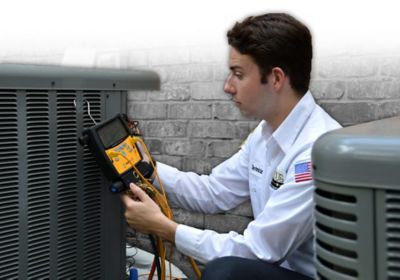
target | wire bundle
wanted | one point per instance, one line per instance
(161, 199)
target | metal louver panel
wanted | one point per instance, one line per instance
(343, 230)
(38, 183)
(91, 197)
(52, 191)
(393, 234)
(9, 198)
(67, 184)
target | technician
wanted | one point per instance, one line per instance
(270, 65)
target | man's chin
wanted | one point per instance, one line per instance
(245, 113)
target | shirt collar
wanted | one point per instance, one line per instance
(290, 128)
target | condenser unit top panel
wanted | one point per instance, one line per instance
(20, 76)
(365, 155)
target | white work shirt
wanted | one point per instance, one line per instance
(283, 217)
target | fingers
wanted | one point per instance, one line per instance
(126, 200)
(138, 192)
(137, 195)
(130, 196)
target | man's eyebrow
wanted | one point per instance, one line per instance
(235, 67)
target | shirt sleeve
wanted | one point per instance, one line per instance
(226, 186)
(283, 225)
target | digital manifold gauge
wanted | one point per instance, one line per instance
(120, 153)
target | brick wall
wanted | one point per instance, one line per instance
(356, 89)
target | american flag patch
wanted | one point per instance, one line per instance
(302, 171)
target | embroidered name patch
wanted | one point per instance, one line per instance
(256, 169)
(302, 171)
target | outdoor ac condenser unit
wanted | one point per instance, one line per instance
(357, 202)
(58, 219)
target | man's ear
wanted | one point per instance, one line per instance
(278, 78)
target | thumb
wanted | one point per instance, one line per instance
(138, 192)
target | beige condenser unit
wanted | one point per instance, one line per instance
(357, 202)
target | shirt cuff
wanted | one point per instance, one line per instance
(187, 240)
(167, 175)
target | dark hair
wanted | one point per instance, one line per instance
(276, 40)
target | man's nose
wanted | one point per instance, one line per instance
(228, 87)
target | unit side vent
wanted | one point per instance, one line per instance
(9, 197)
(393, 233)
(336, 221)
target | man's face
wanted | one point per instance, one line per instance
(253, 98)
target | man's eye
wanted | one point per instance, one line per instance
(237, 74)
